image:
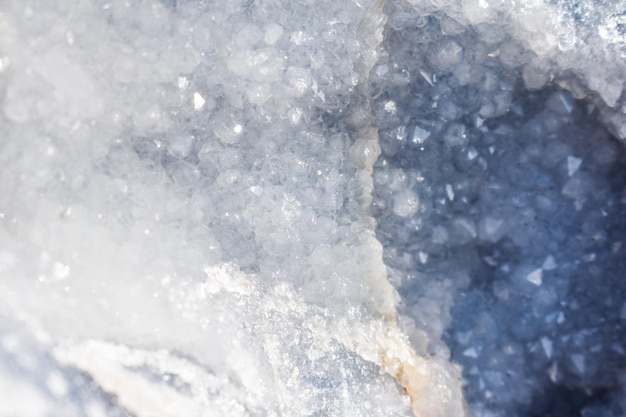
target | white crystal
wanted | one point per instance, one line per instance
(420, 135)
(60, 271)
(427, 77)
(423, 257)
(183, 82)
(470, 353)
(198, 101)
(390, 106)
(450, 192)
(573, 164)
(546, 344)
(535, 276)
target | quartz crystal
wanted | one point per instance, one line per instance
(312, 208)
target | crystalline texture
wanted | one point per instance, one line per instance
(182, 178)
(187, 189)
(519, 117)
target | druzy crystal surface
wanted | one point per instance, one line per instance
(312, 208)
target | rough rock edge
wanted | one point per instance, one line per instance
(382, 342)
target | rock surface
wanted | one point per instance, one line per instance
(324, 208)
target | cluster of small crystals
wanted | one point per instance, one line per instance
(168, 95)
(177, 182)
(579, 45)
(501, 211)
(589, 42)
(182, 195)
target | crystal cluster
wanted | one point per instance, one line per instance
(183, 198)
(323, 208)
(500, 200)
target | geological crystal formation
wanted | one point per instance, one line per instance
(312, 208)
